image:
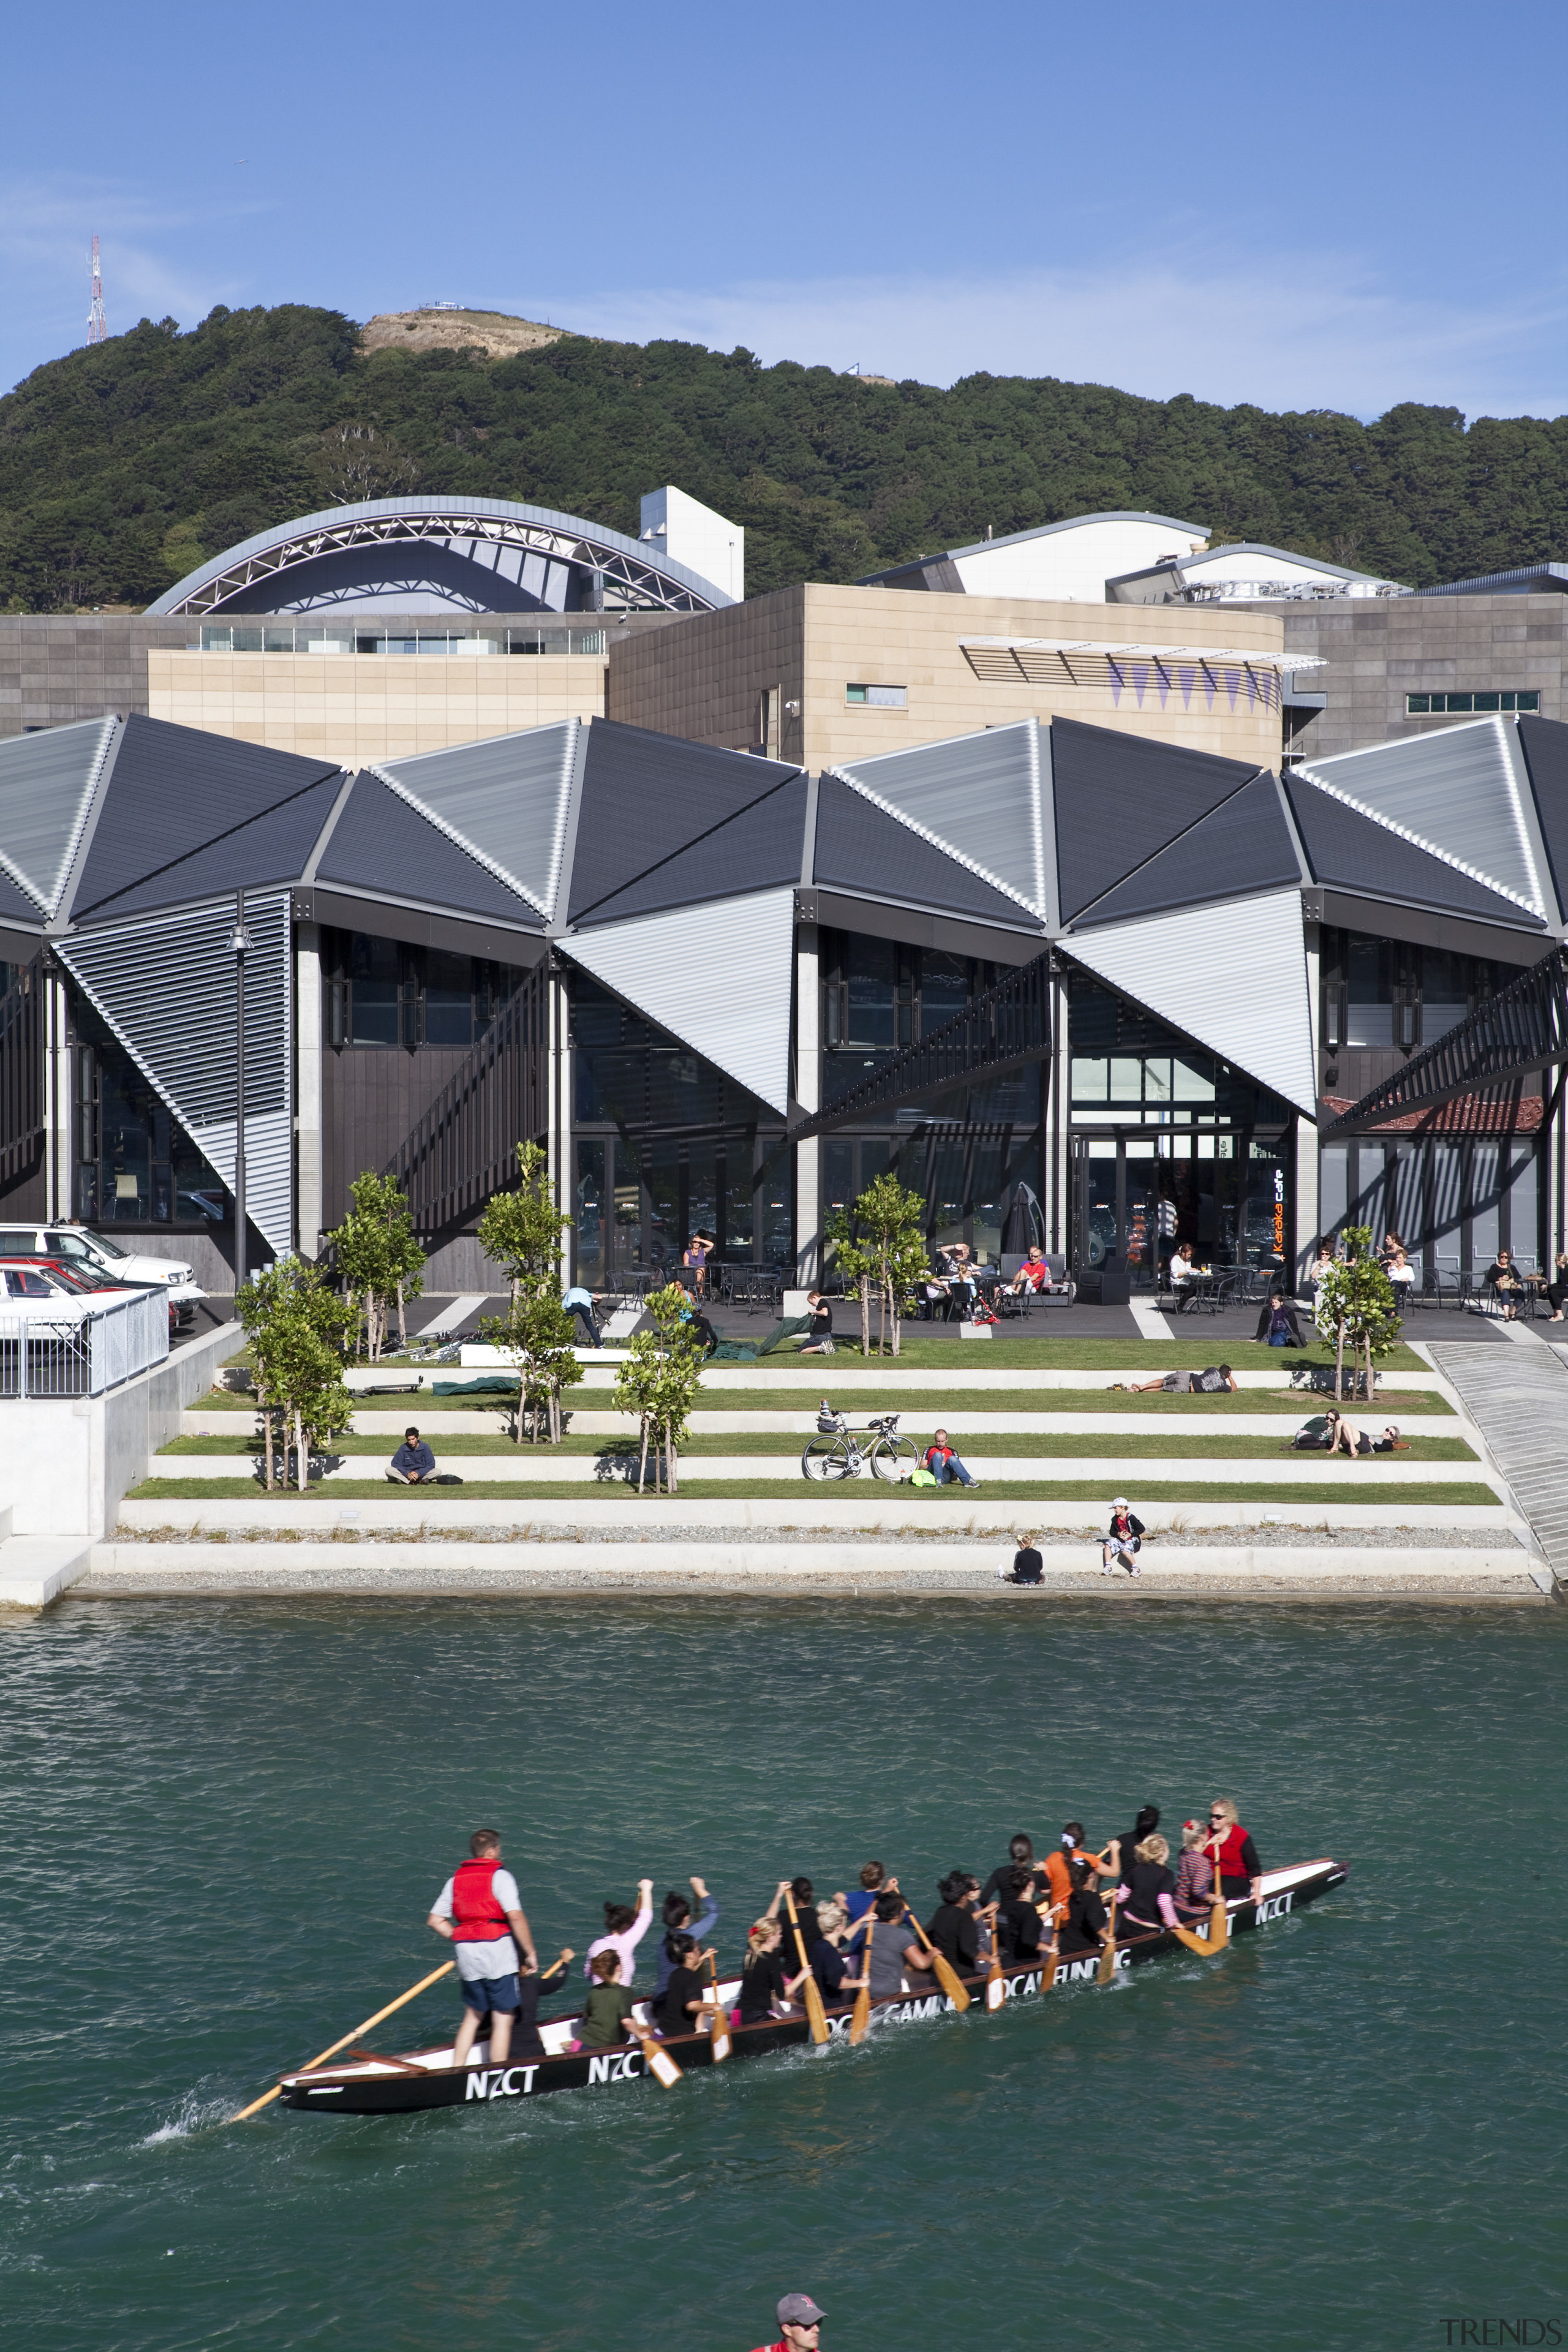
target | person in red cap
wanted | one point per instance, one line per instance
(800, 2322)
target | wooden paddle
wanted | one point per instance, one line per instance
(1107, 1968)
(996, 1988)
(816, 2015)
(859, 2024)
(718, 2024)
(403, 1999)
(947, 1975)
(656, 2058)
(1049, 1971)
(1219, 1910)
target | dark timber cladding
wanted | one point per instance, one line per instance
(21, 1076)
(1523, 1028)
(464, 1149)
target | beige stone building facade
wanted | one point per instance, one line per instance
(819, 675)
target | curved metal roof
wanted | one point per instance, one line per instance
(650, 582)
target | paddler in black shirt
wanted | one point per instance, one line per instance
(1118, 1855)
(1083, 1929)
(955, 1929)
(1017, 1920)
(1020, 1849)
(681, 2010)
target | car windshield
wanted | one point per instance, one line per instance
(67, 1245)
(109, 1249)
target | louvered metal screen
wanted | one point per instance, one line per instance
(22, 1072)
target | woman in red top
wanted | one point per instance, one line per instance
(1240, 1871)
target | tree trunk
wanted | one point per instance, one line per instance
(671, 1465)
(1340, 1363)
(266, 1438)
(642, 1458)
(302, 1453)
(865, 1314)
(401, 1317)
(893, 1313)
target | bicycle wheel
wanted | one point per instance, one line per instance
(826, 1457)
(895, 1459)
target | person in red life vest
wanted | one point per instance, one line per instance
(479, 1911)
(800, 2322)
(1240, 1871)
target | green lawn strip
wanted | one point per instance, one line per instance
(1296, 1403)
(1145, 1445)
(1316, 1500)
(1196, 1343)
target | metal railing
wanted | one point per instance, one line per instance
(21, 1071)
(464, 1149)
(1010, 1023)
(107, 1347)
(1523, 1028)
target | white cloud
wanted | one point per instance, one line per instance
(1281, 335)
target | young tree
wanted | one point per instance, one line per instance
(1355, 1302)
(856, 1265)
(522, 1230)
(660, 1381)
(379, 1257)
(297, 1327)
(888, 1253)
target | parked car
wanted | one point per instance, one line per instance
(76, 1244)
(79, 1282)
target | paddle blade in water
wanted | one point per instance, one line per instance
(718, 2035)
(1107, 1968)
(1195, 1943)
(816, 2015)
(861, 2021)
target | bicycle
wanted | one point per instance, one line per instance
(837, 1452)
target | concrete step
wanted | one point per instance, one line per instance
(542, 1466)
(802, 1422)
(35, 1569)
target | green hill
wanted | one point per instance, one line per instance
(125, 463)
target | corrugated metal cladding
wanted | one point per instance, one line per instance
(1453, 793)
(382, 843)
(1119, 798)
(760, 845)
(1233, 976)
(175, 799)
(1544, 742)
(503, 800)
(165, 986)
(642, 792)
(15, 905)
(861, 847)
(1243, 846)
(975, 796)
(720, 978)
(47, 783)
(1348, 851)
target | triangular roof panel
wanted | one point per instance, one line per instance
(384, 842)
(1233, 976)
(1244, 845)
(717, 977)
(1544, 742)
(1454, 792)
(1119, 798)
(47, 783)
(862, 847)
(503, 800)
(1350, 851)
(758, 846)
(978, 797)
(185, 813)
(637, 784)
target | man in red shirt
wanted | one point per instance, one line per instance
(799, 2323)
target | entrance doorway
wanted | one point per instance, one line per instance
(1228, 1194)
(1115, 1194)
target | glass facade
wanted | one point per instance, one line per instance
(1392, 995)
(135, 1165)
(383, 992)
(1453, 1201)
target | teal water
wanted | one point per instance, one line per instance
(225, 1825)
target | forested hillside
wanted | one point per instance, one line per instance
(125, 463)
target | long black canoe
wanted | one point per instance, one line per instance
(398, 2085)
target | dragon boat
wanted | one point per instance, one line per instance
(369, 2084)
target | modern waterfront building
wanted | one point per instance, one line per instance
(1068, 980)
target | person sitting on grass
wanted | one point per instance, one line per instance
(1276, 1323)
(943, 1464)
(1390, 1442)
(413, 1465)
(1208, 1383)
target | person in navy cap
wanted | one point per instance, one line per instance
(800, 2322)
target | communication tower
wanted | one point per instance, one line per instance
(97, 324)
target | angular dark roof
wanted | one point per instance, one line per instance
(1243, 846)
(758, 848)
(16, 905)
(860, 847)
(381, 844)
(1350, 852)
(646, 795)
(187, 814)
(1120, 797)
(1545, 743)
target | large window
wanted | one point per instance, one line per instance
(135, 1165)
(878, 995)
(1391, 994)
(383, 992)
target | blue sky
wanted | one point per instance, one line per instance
(1340, 207)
